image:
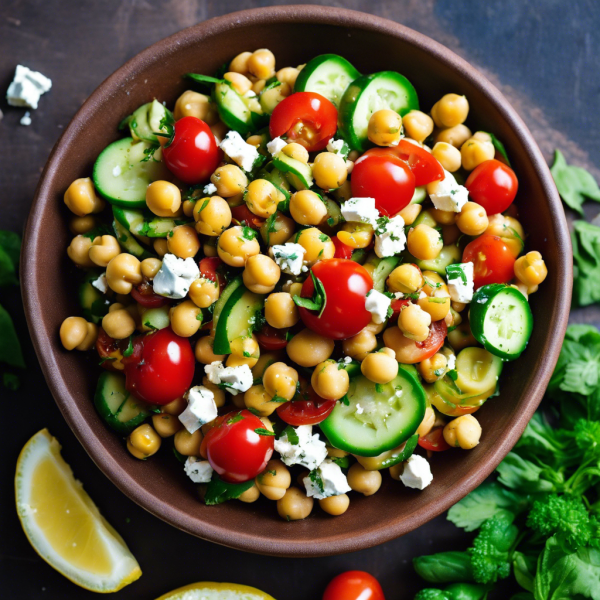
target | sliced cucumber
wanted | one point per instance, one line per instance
(477, 370)
(129, 243)
(445, 406)
(156, 318)
(94, 304)
(236, 318)
(501, 320)
(132, 220)
(352, 368)
(359, 256)
(383, 267)
(419, 195)
(223, 298)
(328, 75)
(146, 120)
(300, 170)
(390, 457)
(234, 110)
(425, 218)
(453, 397)
(159, 227)
(277, 178)
(118, 408)
(448, 256)
(121, 178)
(369, 94)
(375, 421)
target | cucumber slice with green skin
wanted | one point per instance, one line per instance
(425, 218)
(94, 304)
(121, 178)
(384, 419)
(129, 243)
(146, 120)
(419, 195)
(118, 408)
(454, 397)
(477, 370)
(501, 320)
(328, 75)
(160, 227)
(277, 178)
(448, 255)
(144, 224)
(369, 94)
(236, 318)
(287, 164)
(156, 318)
(390, 457)
(223, 298)
(352, 368)
(132, 220)
(234, 111)
(359, 256)
(382, 268)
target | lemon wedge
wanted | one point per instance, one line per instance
(209, 590)
(62, 523)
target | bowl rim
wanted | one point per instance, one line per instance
(33, 298)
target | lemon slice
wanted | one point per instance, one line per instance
(209, 590)
(62, 523)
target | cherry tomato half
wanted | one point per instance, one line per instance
(410, 352)
(434, 440)
(234, 448)
(144, 294)
(382, 175)
(110, 351)
(353, 585)
(341, 249)
(346, 285)
(161, 367)
(307, 408)
(397, 305)
(306, 118)
(492, 259)
(494, 185)
(208, 269)
(271, 339)
(242, 213)
(193, 154)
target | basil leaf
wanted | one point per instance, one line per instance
(265, 432)
(291, 434)
(574, 184)
(306, 303)
(499, 147)
(219, 491)
(524, 476)
(524, 566)
(10, 347)
(444, 567)
(206, 79)
(586, 263)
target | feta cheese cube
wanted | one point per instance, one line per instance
(27, 87)
(239, 151)
(377, 304)
(325, 481)
(101, 284)
(26, 119)
(416, 473)
(210, 189)
(460, 282)
(276, 145)
(451, 363)
(198, 470)
(201, 408)
(175, 276)
(289, 257)
(390, 238)
(360, 210)
(309, 452)
(234, 379)
(449, 195)
(338, 147)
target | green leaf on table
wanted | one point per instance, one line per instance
(10, 347)
(524, 566)
(523, 475)
(444, 567)
(574, 184)
(219, 491)
(10, 242)
(586, 263)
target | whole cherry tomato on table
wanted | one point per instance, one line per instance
(354, 585)
(192, 154)
(494, 185)
(144, 295)
(434, 440)
(492, 259)
(306, 118)
(235, 448)
(341, 313)
(410, 352)
(161, 367)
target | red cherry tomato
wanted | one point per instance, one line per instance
(242, 213)
(492, 259)
(306, 118)
(109, 350)
(494, 185)
(234, 449)
(208, 269)
(346, 285)
(271, 339)
(396, 306)
(381, 175)
(410, 352)
(144, 294)
(307, 408)
(341, 249)
(434, 440)
(193, 154)
(161, 367)
(353, 585)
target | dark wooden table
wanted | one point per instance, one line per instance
(545, 56)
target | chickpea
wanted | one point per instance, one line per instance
(183, 241)
(307, 208)
(329, 381)
(81, 198)
(424, 242)
(455, 136)
(531, 269)
(450, 111)
(358, 346)
(209, 247)
(463, 432)
(219, 394)
(259, 401)
(274, 480)
(150, 267)
(261, 274)
(410, 213)
(450, 234)
(257, 140)
(212, 216)
(143, 442)
(407, 278)
(265, 361)
(123, 272)
(280, 380)
(262, 198)
(250, 495)
(104, 249)
(295, 505)
(175, 407)
(270, 98)
(473, 219)
(78, 251)
(447, 155)
(236, 245)
(343, 193)
(229, 180)
(308, 348)
(81, 225)
(443, 217)
(436, 304)
(329, 170)
(240, 63)
(363, 481)
(165, 424)
(118, 324)
(163, 198)
(385, 127)
(414, 323)
(186, 318)
(461, 337)
(277, 231)
(296, 151)
(204, 292)
(240, 83)
(318, 246)
(281, 311)
(258, 86)
(417, 125)
(288, 75)
(261, 63)
(335, 505)
(77, 334)
(433, 368)
(380, 367)
(356, 235)
(336, 452)
(188, 444)
(245, 346)
(474, 152)
(193, 104)
(427, 423)
(509, 229)
(293, 288)
(160, 247)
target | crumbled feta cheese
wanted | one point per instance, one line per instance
(201, 408)
(347, 359)
(449, 195)
(451, 362)
(377, 304)
(360, 210)
(390, 238)
(210, 189)
(289, 257)
(26, 119)
(239, 151)
(116, 171)
(276, 145)
(337, 147)
(359, 409)
(460, 282)
(198, 470)
(27, 87)
(175, 276)
(234, 379)
(101, 284)
(325, 481)
(309, 452)
(416, 473)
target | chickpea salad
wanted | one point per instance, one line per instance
(297, 279)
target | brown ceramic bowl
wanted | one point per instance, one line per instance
(295, 34)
